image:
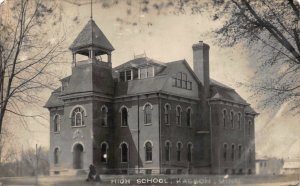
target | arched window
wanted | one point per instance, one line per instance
(56, 155)
(232, 119)
(239, 120)
(250, 155)
(232, 151)
(225, 152)
(240, 152)
(124, 117)
(189, 152)
(167, 114)
(77, 117)
(249, 127)
(124, 153)
(168, 150)
(56, 121)
(189, 117)
(104, 155)
(179, 146)
(224, 118)
(148, 151)
(178, 115)
(147, 113)
(104, 111)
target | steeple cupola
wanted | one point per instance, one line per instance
(92, 43)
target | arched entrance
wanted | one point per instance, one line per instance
(78, 156)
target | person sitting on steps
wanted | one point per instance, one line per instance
(92, 173)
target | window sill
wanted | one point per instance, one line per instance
(105, 126)
(146, 124)
(79, 126)
(148, 162)
(124, 126)
(124, 162)
(56, 132)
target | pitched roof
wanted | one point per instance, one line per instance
(54, 101)
(91, 35)
(250, 110)
(227, 94)
(142, 61)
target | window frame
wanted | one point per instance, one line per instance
(232, 152)
(179, 146)
(123, 108)
(148, 152)
(56, 123)
(178, 115)
(249, 127)
(127, 154)
(106, 152)
(189, 114)
(225, 147)
(147, 108)
(232, 119)
(190, 147)
(56, 158)
(105, 117)
(75, 111)
(180, 80)
(168, 155)
(167, 114)
(240, 152)
(239, 120)
(224, 112)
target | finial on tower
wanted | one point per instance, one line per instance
(91, 9)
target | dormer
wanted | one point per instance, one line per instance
(138, 68)
(92, 46)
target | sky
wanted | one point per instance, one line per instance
(166, 38)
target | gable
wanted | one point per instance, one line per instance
(172, 70)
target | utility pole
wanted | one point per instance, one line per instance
(37, 165)
(1, 77)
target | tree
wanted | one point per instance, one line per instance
(26, 53)
(271, 30)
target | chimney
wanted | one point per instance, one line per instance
(201, 64)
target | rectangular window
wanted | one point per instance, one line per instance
(166, 118)
(128, 75)
(184, 84)
(184, 76)
(179, 82)
(167, 152)
(143, 73)
(135, 74)
(189, 85)
(240, 152)
(122, 76)
(150, 71)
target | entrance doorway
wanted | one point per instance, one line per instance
(78, 156)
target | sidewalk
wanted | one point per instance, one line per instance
(178, 180)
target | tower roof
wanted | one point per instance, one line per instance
(91, 35)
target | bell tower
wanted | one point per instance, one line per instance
(92, 44)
